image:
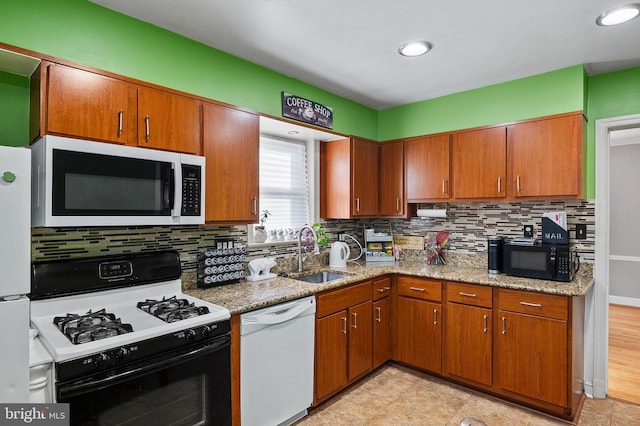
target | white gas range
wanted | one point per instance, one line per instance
(116, 325)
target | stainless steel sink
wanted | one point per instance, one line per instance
(320, 277)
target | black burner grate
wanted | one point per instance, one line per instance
(83, 328)
(172, 309)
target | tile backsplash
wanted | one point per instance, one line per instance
(469, 225)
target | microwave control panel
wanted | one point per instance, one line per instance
(191, 194)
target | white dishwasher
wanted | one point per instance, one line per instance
(276, 363)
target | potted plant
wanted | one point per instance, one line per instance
(260, 232)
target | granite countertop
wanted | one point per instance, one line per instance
(247, 296)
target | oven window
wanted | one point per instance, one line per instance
(529, 260)
(194, 392)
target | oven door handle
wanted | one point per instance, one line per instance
(84, 385)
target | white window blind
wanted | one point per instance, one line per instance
(284, 186)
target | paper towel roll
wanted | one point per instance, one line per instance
(432, 212)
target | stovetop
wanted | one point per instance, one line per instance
(122, 303)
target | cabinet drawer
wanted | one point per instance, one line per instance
(342, 298)
(470, 294)
(381, 288)
(420, 288)
(543, 305)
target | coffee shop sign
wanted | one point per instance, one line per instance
(307, 111)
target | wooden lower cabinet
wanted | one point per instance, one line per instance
(419, 334)
(344, 338)
(381, 331)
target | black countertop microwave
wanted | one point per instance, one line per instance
(545, 261)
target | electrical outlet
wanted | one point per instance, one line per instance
(581, 231)
(340, 237)
(527, 231)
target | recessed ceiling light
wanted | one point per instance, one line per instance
(618, 15)
(414, 48)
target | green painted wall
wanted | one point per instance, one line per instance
(14, 110)
(83, 32)
(612, 94)
(543, 94)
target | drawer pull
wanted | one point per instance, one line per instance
(416, 289)
(355, 320)
(535, 305)
(435, 317)
(378, 316)
(344, 325)
(383, 289)
(468, 294)
(484, 323)
(504, 325)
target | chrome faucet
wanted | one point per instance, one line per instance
(316, 249)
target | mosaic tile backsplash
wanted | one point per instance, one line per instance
(469, 225)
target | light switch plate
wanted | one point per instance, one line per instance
(581, 231)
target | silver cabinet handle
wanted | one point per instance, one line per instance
(518, 183)
(120, 114)
(468, 294)
(499, 184)
(147, 127)
(416, 288)
(378, 317)
(255, 205)
(397, 204)
(355, 319)
(504, 325)
(358, 204)
(535, 305)
(484, 323)
(344, 325)
(443, 187)
(383, 289)
(435, 317)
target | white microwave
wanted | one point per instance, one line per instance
(84, 183)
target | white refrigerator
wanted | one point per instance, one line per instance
(15, 265)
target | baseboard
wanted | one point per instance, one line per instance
(627, 301)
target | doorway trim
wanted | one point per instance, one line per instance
(601, 272)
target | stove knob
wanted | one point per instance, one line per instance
(102, 359)
(206, 330)
(191, 334)
(122, 354)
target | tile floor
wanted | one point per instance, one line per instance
(397, 396)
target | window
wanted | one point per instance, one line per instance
(285, 185)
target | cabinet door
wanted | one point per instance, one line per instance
(391, 180)
(331, 354)
(381, 331)
(546, 157)
(360, 340)
(426, 163)
(90, 106)
(419, 334)
(232, 149)
(479, 163)
(169, 122)
(364, 177)
(469, 342)
(533, 355)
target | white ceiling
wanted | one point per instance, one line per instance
(350, 47)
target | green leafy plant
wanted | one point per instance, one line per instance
(323, 237)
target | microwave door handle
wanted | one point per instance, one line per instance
(169, 191)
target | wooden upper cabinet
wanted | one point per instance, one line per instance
(546, 157)
(169, 122)
(479, 163)
(232, 149)
(90, 106)
(349, 178)
(364, 177)
(426, 164)
(391, 180)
